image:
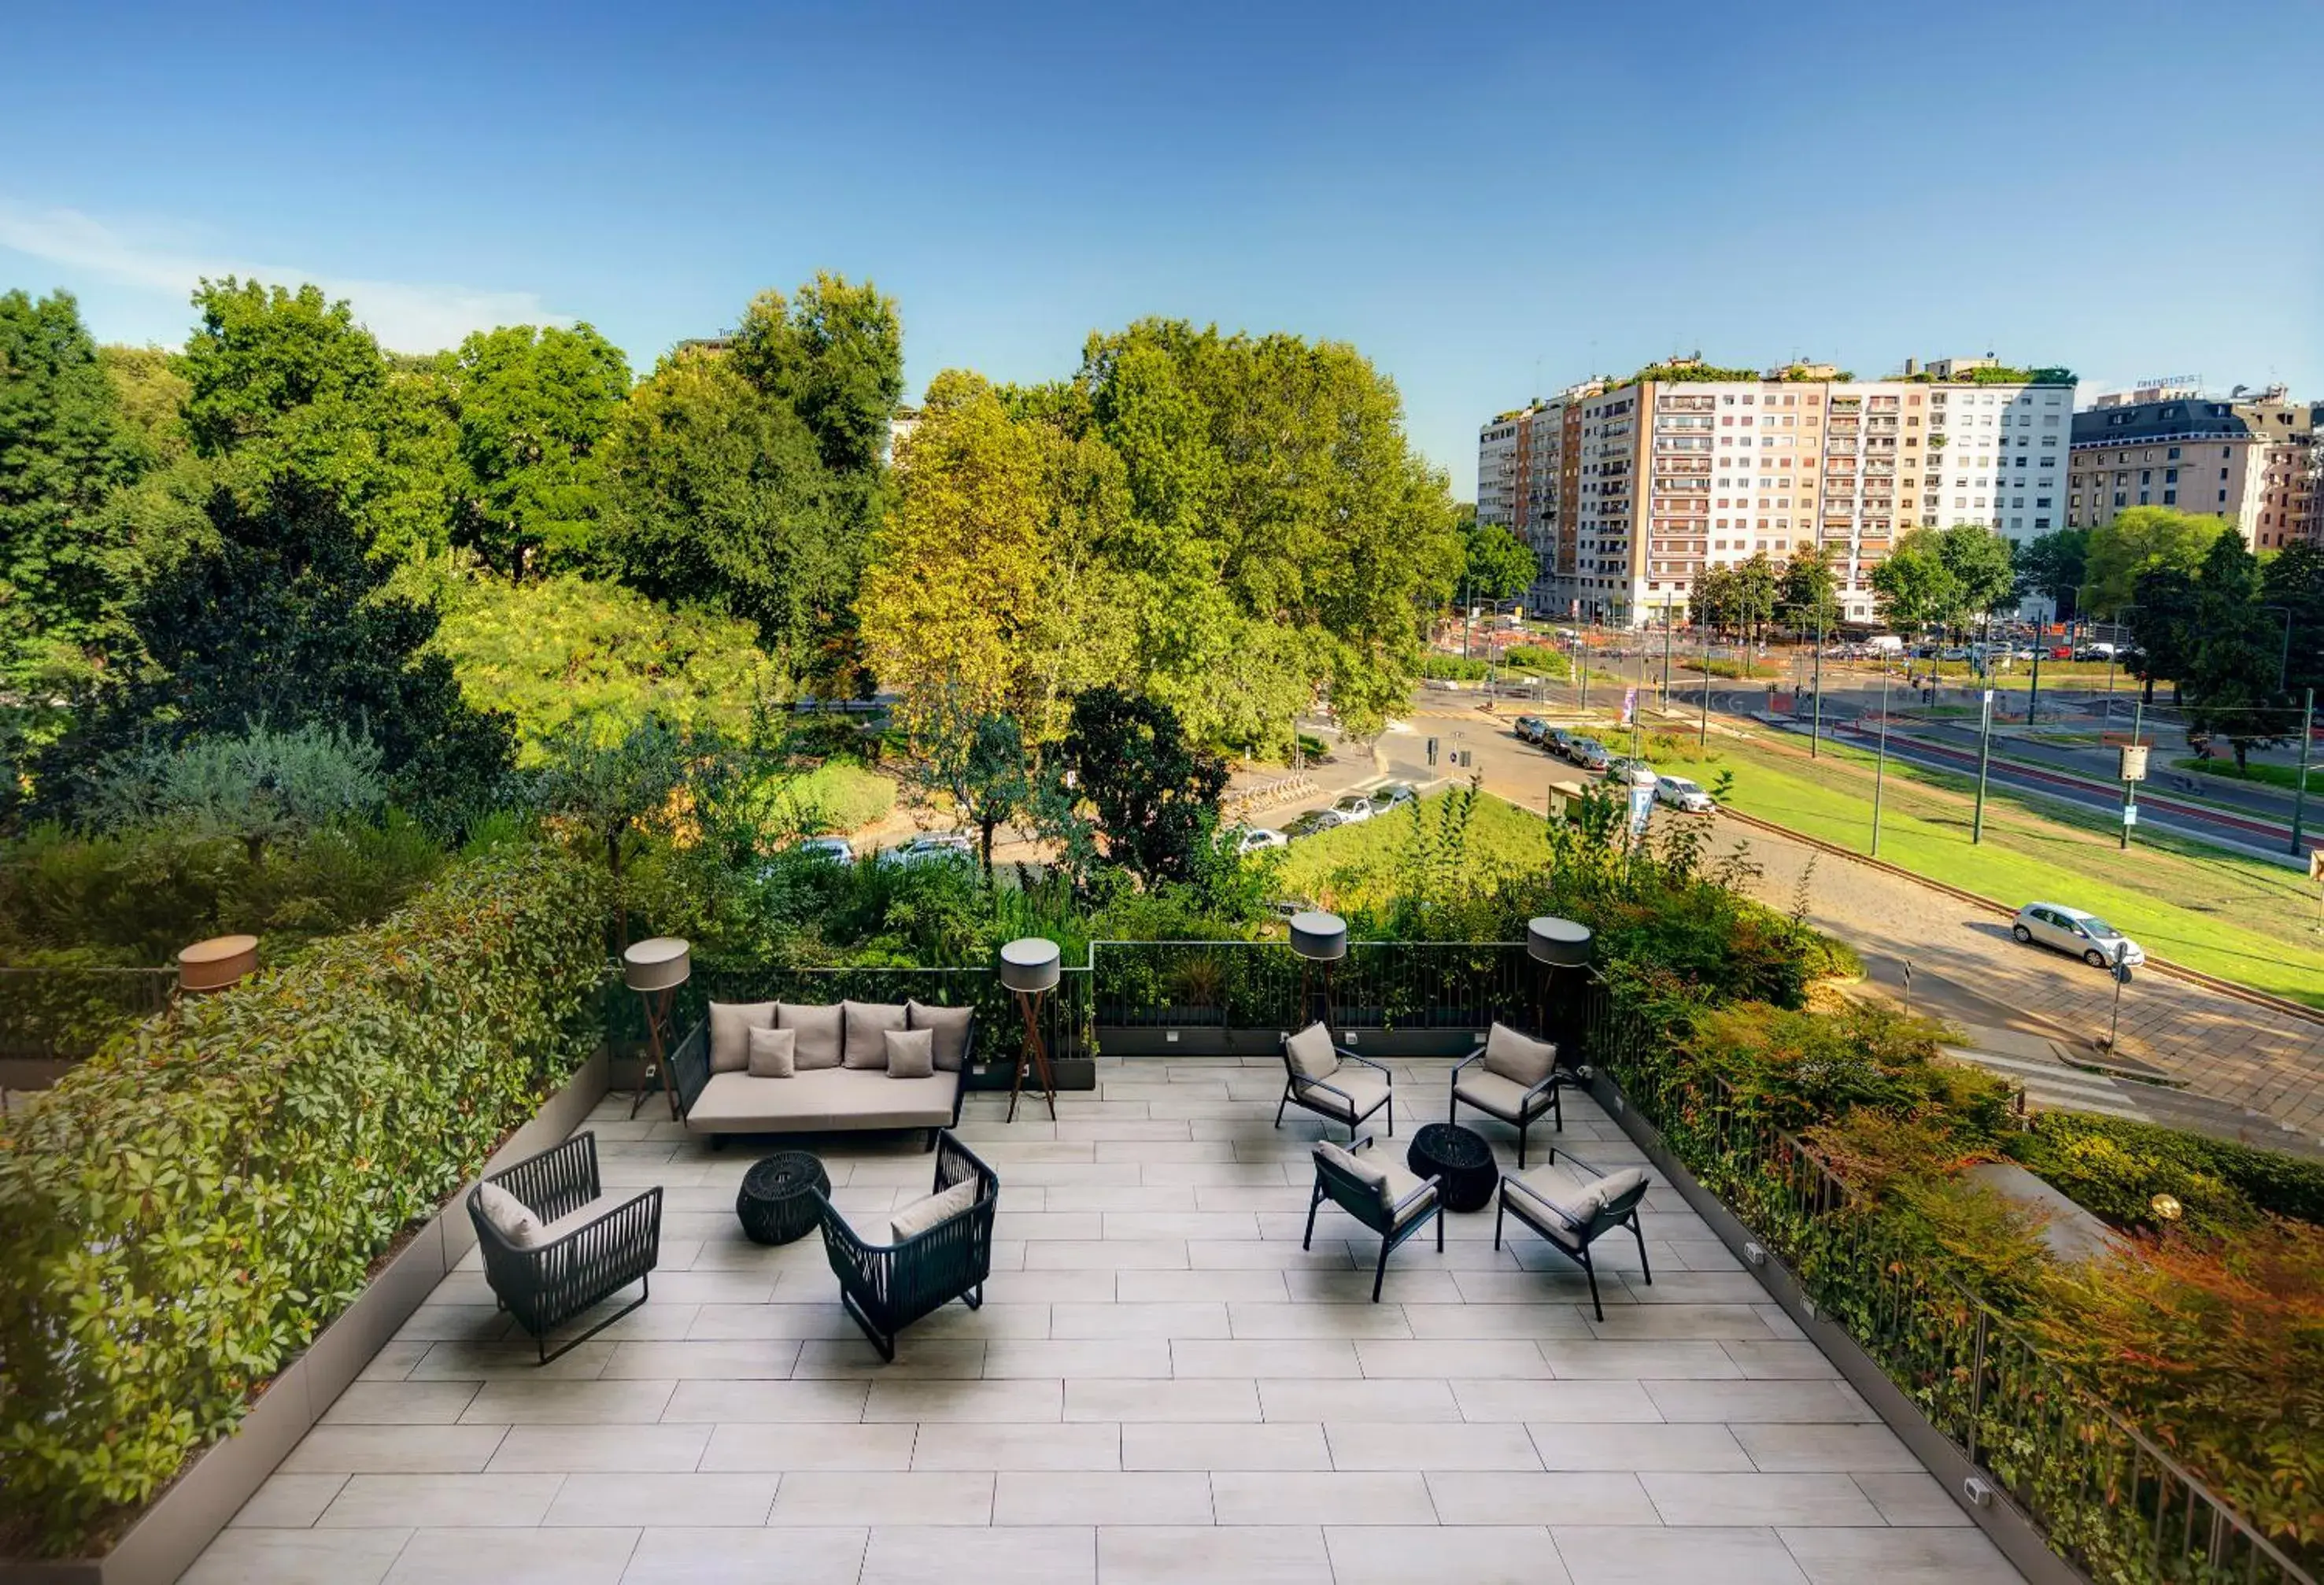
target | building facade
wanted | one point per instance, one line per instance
(1645, 484)
(2251, 460)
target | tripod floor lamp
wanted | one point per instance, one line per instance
(655, 969)
(1554, 944)
(1318, 938)
(1031, 967)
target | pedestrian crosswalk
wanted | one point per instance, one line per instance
(2056, 1087)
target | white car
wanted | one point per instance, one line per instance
(1354, 809)
(837, 849)
(936, 848)
(1389, 795)
(1680, 793)
(2070, 930)
(1258, 839)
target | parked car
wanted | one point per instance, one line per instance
(1389, 794)
(2090, 652)
(1352, 809)
(837, 849)
(1312, 821)
(937, 847)
(1530, 728)
(1255, 839)
(2070, 930)
(1628, 772)
(1680, 793)
(1590, 754)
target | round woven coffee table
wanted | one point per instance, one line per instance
(776, 1200)
(1461, 1159)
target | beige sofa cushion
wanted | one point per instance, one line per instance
(911, 1053)
(930, 1210)
(867, 1022)
(730, 1023)
(1518, 1058)
(774, 1054)
(949, 1024)
(819, 1031)
(823, 1099)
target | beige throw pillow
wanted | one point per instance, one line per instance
(1357, 1167)
(510, 1216)
(950, 1027)
(774, 1053)
(730, 1023)
(922, 1214)
(911, 1053)
(818, 1029)
(866, 1022)
(1311, 1053)
(1518, 1058)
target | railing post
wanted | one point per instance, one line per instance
(1977, 1387)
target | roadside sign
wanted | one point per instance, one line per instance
(2130, 814)
(1629, 704)
(1642, 809)
(1432, 753)
(2315, 863)
(2134, 762)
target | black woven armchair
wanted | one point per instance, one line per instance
(547, 1285)
(886, 1287)
(1396, 1207)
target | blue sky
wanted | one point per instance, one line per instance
(1489, 202)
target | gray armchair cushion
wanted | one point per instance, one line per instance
(510, 1217)
(730, 1023)
(1362, 1166)
(1518, 1058)
(1573, 1196)
(931, 1209)
(911, 1053)
(1354, 1094)
(867, 1022)
(774, 1053)
(949, 1024)
(819, 1030)
(1503, 1098)
(581, 1216)
(1311, 1053)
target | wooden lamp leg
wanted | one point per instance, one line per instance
(1028, 1003)
(656, 1010)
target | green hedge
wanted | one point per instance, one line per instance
(2116, 1167)
(183, 1212)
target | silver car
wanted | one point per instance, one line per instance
(1354, 809)
(937, 848)
(1680, 793)
(2070, 930)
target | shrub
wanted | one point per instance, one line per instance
(184, 1211)
(1438, 668)
(2115, 1167)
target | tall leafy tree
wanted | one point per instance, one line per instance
(1983, 573)
(1757, 589)
(533, 403)
(1808, 595)
(1496, 565)
(2162, 624)
(2234, 687)
(2053, 567)
(1915, 588)
(64, 448)
(2294, 580)
(1155, 795)
(2140, 539)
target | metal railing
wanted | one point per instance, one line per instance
(1265, 985)
(2110, 1499)
(66, 1013)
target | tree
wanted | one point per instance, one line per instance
(2234, 687)
(2162, 624)
(978, 763)
(1807, 593)
(533, 404)
(1154, 795)
(1713, 601)
(64, 448)
(2140, 539)
(613, 791)
(282, 618)
(261, 788)
(2053, 567)
(1915, 588)
(1757, 591)
(2293, 579)
(1496, 565)
(1980, 564)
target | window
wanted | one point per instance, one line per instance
(2041, 522)
(2170, 498)
(2174, 454)
(2121, 500)
(2169, 475)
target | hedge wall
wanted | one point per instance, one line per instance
(183, 1212)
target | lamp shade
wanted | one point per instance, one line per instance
(1030, 963)
(1319, 937)
(217, 963)
(1562, 943)
(658, 964)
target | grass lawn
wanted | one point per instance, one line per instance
(843, 795)
(1356, 866)
(2286, 777)
(2241, 919)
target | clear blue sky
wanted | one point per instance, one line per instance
(1487, 201)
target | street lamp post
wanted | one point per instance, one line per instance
(1984, 742)
(2130, 788)
(2041, 642)
(2300, 788)
(1815, 728)
(1880, 766)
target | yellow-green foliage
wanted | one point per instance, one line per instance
(1361, 867)
(184, 1211)
(840, 796)
(566, 648)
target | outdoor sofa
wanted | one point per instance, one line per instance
(779, 1067)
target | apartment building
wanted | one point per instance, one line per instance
(2248, 459)
(1647, 482)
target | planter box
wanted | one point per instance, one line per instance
(191, 1510)
(2021, 1540)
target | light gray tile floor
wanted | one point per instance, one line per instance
(1163, 1386)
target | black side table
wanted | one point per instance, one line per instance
(776, 1200)
(1461, 1158)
